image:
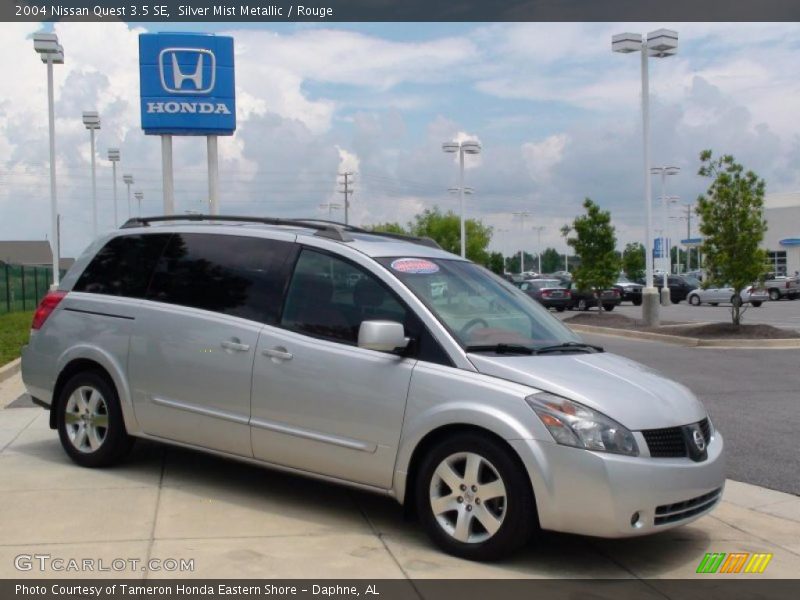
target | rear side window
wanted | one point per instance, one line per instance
(235, 275)
(123, 266)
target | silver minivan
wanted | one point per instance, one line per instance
(368, 359)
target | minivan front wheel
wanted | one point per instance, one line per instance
(89, 419)
(474, 500)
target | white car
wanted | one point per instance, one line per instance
(725, 295)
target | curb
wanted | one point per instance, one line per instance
(9, 370)
(679, 340)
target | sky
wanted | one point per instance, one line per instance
(556, 112)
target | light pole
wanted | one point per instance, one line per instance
(468, 147)
(522, 215)
(92, 122)
(664, 172)
(138, 196)
(51, 53)
(113, 156)
(331, 206)
(128, 180)
(539, 245)
(660, 44)
(666, 202)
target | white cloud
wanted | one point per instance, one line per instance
(541, 157)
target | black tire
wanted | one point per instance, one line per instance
(115, 441)
(756, 303)
(714, 303)
(608, 307)
(561, 308)
(694, 300)
(774, 295)
(519, 520)
(637, 302)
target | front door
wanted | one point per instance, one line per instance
(321, 403)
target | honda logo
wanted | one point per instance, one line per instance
(196, 74)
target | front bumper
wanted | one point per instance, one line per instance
(599, 494)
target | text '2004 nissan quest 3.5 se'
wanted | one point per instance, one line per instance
(375, 360)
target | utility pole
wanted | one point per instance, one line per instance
(346, 190)
(522, 215)
(688, 206)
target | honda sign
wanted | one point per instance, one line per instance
(187, 84)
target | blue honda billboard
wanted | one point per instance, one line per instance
(186, 83)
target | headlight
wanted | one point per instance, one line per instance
(573, 424)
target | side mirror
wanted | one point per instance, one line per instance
(383, 336)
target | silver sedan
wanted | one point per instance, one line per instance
(726, 295)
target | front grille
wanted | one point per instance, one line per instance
(669, 513)
(669, 442)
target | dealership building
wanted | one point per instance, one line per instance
(782, 240)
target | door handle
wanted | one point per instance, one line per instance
(235, 346)
(279, 353)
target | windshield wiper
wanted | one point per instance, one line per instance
(568, 346)
(501, 348)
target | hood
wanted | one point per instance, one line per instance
(630, 393)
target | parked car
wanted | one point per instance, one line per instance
(586, 299)
(562, 274)
(718, 295)
(679, 286)
(782, 286)
(476, 406)
(550, 293)
(629, 291)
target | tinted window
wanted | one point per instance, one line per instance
(329, 298)
(239, 276)
(123, 266)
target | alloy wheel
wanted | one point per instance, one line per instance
(468, 497)
(86, 419)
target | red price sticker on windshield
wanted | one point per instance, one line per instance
(415, 266)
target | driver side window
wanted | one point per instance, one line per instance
(329, 298)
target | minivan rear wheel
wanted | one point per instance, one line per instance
(89, 420)
(473, 498)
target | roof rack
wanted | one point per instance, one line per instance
(423, 241)
(327, 229)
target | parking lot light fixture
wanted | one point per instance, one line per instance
(330, 206)
(51, 53)
(658, 44)
(138, 196)
(128, 180)
(522, 215)
(664, 172)
(91, 120)
(462, 148)
(113, 156)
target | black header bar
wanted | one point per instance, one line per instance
(173, 11)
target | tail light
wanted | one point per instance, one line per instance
(568, 294)
(545, 294)
(615, 292)
(46, 307)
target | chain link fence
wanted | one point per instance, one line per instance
(22, 287)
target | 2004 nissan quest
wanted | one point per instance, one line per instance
(374, 360)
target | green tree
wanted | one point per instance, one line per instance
(388, 227)
(594, 242)
(496, 262)
(512, 262)
(732, 225)
(551, 261)
(445, 228)
(633, 260)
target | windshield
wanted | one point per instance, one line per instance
(692, 281)
(476, 306)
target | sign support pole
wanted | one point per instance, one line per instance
(166, 171)
(213, 175)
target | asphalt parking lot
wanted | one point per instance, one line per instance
(782, 313)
